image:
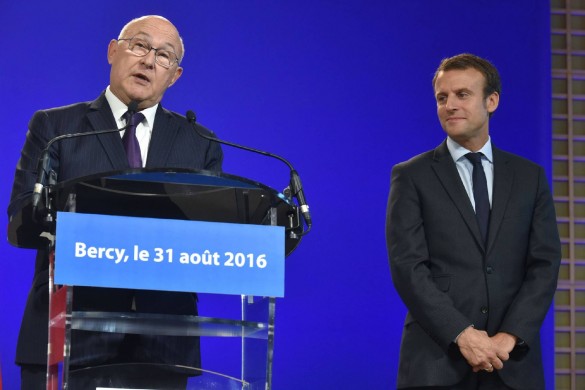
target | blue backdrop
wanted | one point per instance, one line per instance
(342, 88)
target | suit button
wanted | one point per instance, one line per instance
(484, 310)
(489, 269)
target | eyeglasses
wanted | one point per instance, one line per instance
(141, 48)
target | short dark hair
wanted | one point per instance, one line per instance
(466, 61)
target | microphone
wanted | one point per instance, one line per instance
(44, 164)
(295, 180)
(132, 108)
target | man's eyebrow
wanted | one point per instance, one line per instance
(464, 89)
(165, 45)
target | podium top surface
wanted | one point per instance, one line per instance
(161, 193)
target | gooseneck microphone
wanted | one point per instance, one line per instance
(296, 186)
(44, 164)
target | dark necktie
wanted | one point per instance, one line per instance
(130, 141)
(480, 194)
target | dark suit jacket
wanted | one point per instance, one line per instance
(174, 144)
(448, 279)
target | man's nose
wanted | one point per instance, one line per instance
(149, 59)
(450, 103)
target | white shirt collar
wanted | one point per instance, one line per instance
(119, 109)
(457, 151)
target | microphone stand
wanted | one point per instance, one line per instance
(295, 188)
(46, 177)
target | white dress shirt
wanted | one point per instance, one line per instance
(144, 128)
(465, 168)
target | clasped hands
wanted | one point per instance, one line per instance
(483, 352)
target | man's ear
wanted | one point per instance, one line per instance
(178, 73)
(112, 49)
(492, 102)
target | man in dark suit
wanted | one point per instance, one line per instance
(145, 61)
(474, 258)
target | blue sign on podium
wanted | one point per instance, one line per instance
(170, 255)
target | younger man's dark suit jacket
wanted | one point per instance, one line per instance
(174, 144)
(448, 279)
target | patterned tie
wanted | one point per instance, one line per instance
(480, 194)
(130, 141)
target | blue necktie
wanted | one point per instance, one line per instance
(130, 141)
(480, 194)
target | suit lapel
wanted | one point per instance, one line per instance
(164, 132)
(101, 118)
(445, 168)
(502, 188)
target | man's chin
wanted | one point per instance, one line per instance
(142, 100)
(138, 92)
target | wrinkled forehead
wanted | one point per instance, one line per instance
(159, 32)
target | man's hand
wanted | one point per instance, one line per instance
(504, 344)
(480, 350)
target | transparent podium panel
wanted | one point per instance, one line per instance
(240, 331)
(152, 376)
(258, 353)
(252, 334)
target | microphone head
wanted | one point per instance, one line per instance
(191, 116)
(133, 106)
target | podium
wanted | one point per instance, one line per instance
(150, 199)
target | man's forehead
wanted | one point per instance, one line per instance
(468, 73)
(459, 78)
(154, 30)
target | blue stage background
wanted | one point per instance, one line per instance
(342, 88)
